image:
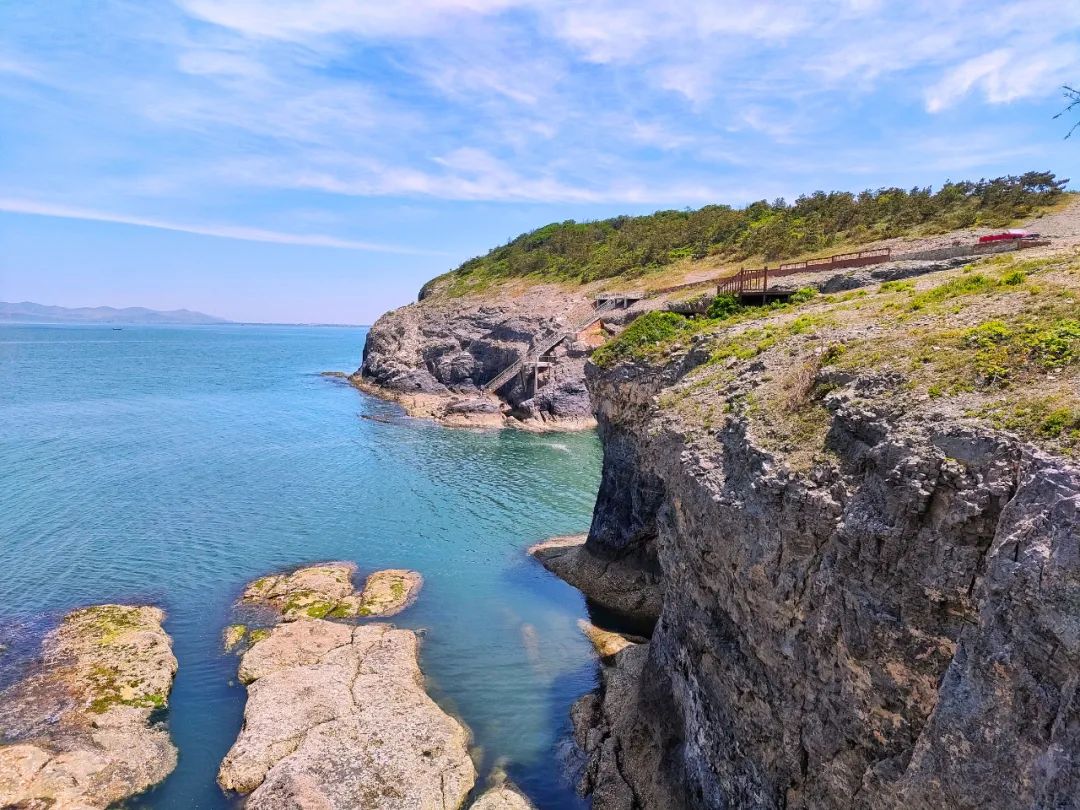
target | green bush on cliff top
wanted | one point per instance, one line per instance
(647, 333)
(627, 246)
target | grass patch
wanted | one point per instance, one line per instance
(652, 335)
(645, 338)
(1052, 418)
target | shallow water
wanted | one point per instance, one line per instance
(173, 465)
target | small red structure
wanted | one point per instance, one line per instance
(1005, 236)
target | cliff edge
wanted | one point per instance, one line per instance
(861, 516)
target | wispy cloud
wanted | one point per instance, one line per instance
(507, 101)
(34, 208)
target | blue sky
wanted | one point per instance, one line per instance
(317, 160)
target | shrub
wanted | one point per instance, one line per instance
(642, 337)
(1058, 345)
(987, 334)
(724, 306)
(802, 295)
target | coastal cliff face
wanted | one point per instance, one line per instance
(869, 595)
(435, 355)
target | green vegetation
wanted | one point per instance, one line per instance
(998, 341)
(631, 246)
(109, 691)
(308, 603)
(258, 635)
(109, 622)
(645, 337)
(1048, 417)
(652, 335)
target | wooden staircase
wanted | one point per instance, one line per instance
(580, 319)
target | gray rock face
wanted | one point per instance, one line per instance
(337, 717)
(78, 730)
(897, 626)
(453, 346)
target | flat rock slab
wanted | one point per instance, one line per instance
(326, 591)
(80, 724)
(337, 717)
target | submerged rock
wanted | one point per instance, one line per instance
(502, 797)
(337, 717)
(80, 728)
(326, 591)
(234, 636)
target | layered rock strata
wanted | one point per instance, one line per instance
(868, 598)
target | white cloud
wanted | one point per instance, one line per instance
(303, 19)
(246, 234)
(1007, 74)
(958, 82)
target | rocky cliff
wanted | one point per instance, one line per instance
(860, 521)
(435, 355)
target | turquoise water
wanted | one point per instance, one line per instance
(173, 465)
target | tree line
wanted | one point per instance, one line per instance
(631, 245)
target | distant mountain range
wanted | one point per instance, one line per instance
(27, 312)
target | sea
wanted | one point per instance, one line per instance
(173, 465)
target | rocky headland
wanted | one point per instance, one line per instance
(437, 356)
(79, 732)
(434, 356)
(859, 519)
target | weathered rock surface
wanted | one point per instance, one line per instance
(619, 582)
(78, 729)
(891, 626)
(608, 643)
(434, 356)
(337, 717)
(326, 591)
(389, 592)
(501, 797)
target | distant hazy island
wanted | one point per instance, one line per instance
(27, 312)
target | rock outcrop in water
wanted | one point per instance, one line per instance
(79, 731)
(326, 591)
(337, 717)
(624, 584)
(869, 595)
(433, 357)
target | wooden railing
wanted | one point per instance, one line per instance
(756, 280)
